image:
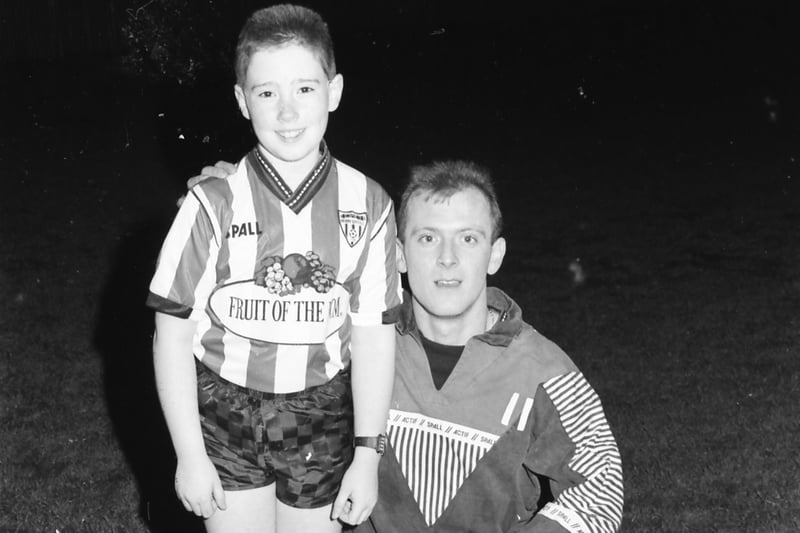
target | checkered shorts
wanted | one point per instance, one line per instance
(301, 441)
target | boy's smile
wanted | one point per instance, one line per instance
(447, 253)
(287, 97)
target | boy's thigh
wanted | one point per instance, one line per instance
(246, 511)
(231, 431)
(294, 520)
(310, 443)
(303, 440)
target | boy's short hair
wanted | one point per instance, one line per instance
(443, 179)
(282, 24)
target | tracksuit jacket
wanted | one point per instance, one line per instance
(515, 441)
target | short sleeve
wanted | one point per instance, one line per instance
(379, 287)
(185, 271)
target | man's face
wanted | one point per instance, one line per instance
(447, 253)
(287, 97)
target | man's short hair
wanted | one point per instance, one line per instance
(282, 24)
(442, 179)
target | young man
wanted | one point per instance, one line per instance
(492, 427)
(270, 286)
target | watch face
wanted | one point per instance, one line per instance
(381, 449)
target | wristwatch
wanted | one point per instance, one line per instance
(377, 443)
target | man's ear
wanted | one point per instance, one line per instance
(335, 88)
(401, 257)
(238, 92)
(496, 257)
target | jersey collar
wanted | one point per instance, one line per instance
(295, 200)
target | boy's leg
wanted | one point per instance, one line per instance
(294, 520)
(319, 426)
(248, 511)
(230, 431)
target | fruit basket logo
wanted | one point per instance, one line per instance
(290, 274)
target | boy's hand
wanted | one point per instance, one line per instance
(221, 170)
(198, 487)
(359, 490)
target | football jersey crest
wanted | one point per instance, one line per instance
(353, 225)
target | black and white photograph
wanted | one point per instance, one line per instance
(399, 267)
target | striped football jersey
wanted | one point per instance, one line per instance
(275, 277)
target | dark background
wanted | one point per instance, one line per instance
(488, 80)
(650, 139)
(566, 102)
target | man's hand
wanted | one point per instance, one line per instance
(198, 487)
(221, 170)
(358, 492)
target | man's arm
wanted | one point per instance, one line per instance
(196, 481)
(575, 449)
(372, 355)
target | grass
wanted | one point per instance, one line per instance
(688, 326)
(688, 323)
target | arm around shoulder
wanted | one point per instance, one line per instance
(220, 170)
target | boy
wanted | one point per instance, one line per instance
(270, 286)
(492, 427)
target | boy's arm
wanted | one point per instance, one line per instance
(372, 374)
(574, 448)
(196, 481)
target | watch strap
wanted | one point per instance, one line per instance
(377, 443)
